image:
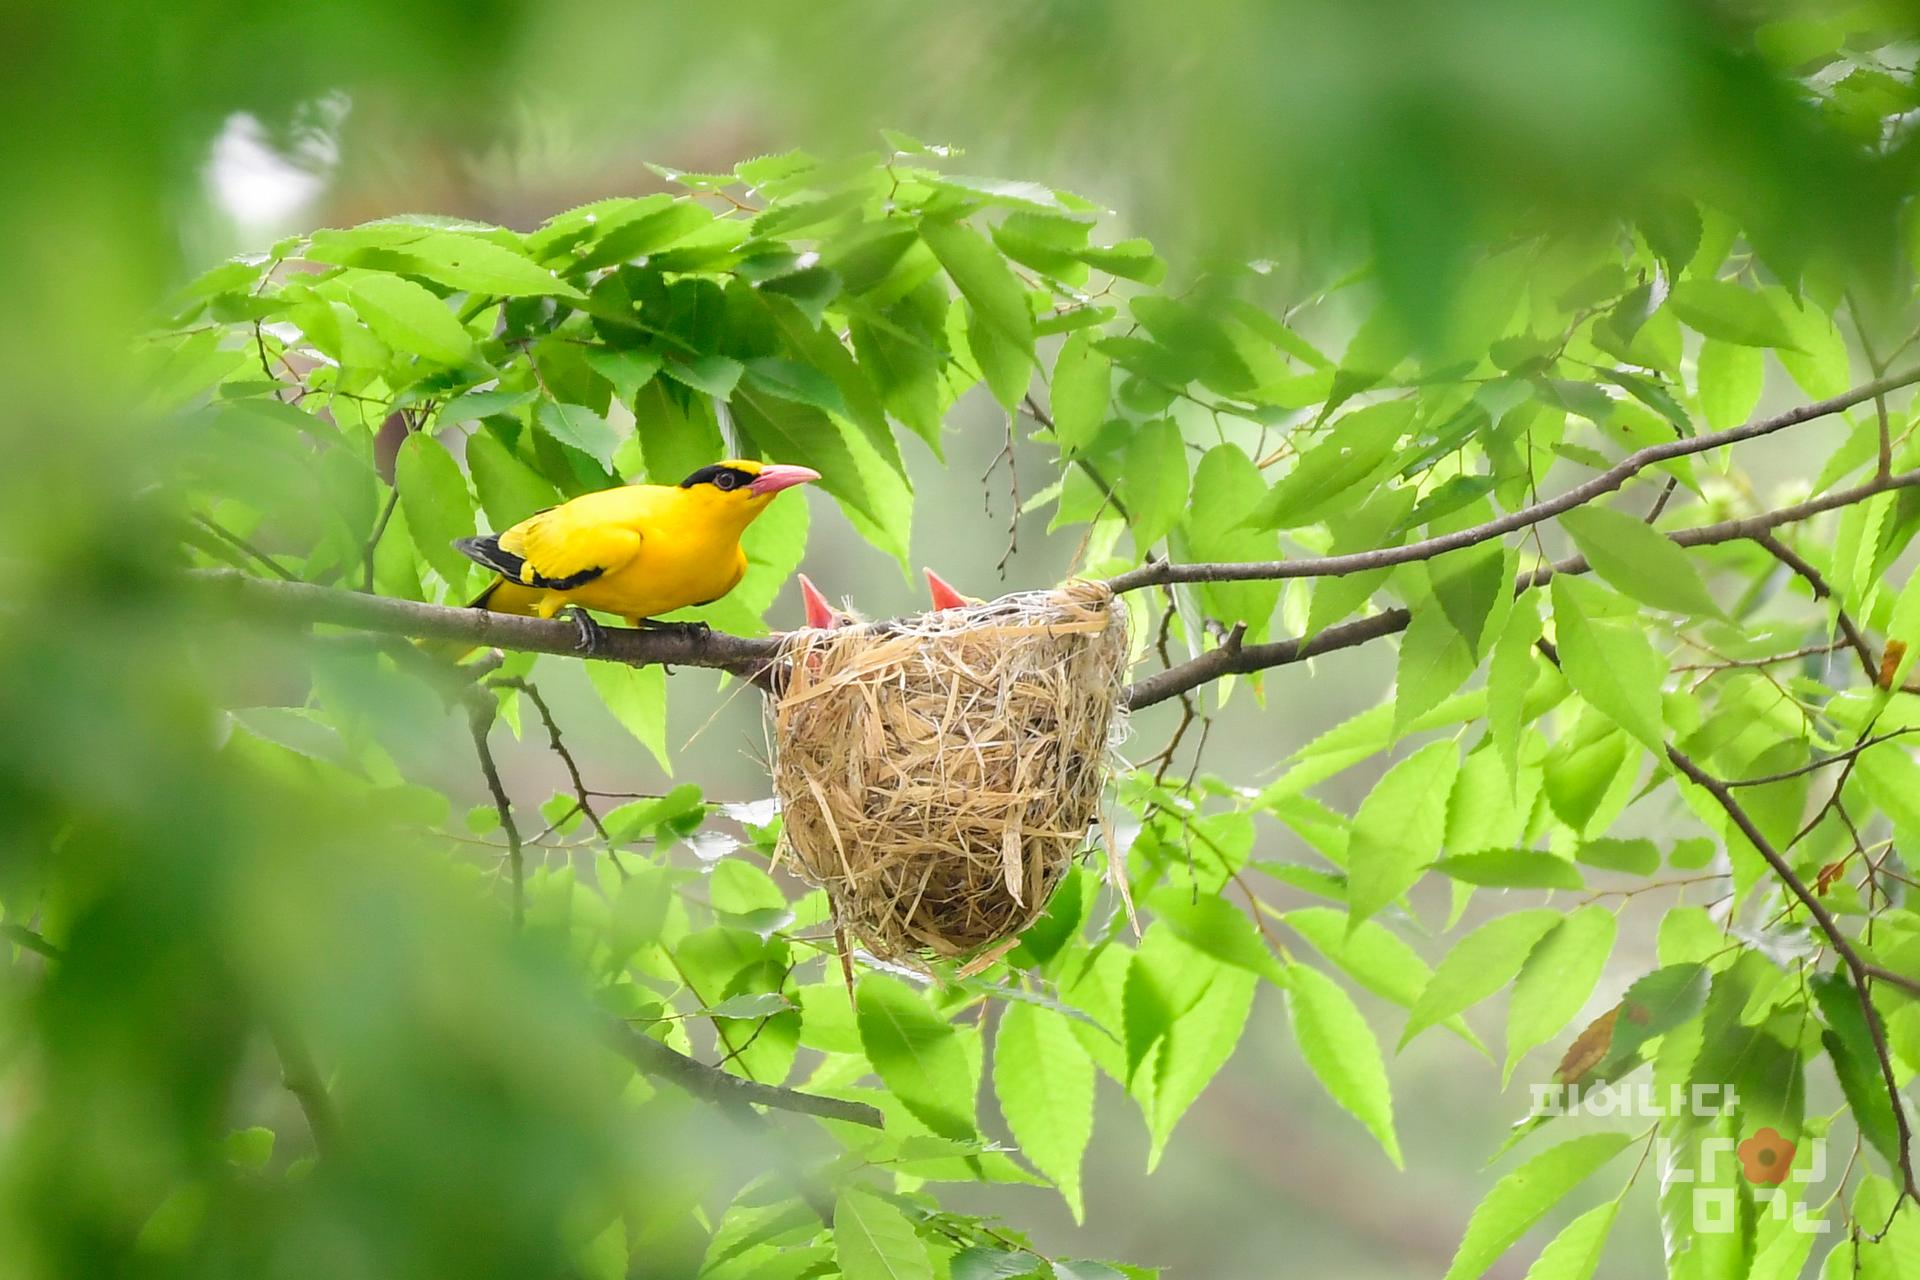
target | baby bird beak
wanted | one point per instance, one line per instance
(775, 478)
(820, 614)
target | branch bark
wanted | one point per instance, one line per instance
(1216, 663)
(1427, 548)
(302, 603)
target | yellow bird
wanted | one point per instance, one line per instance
(636, 551)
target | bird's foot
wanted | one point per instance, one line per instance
(698, 630)
(593, 636)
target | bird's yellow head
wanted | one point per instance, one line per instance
(740, 489)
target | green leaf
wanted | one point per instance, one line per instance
(1191, 1053)
(439, 509)
(509, 489)
(1722, 309)
(1154, 483)
(1356, 446)
(1640, 857)
(250, 1148)
(1632, 556)
(1337, 1043)
(800, 383)
(1511, 869)
(1510, 675)
(1728, 377)
(982, 277)
(628, 369)
(1610, 663)
(1044, 1081)
(710, 375)
(1479, 965)
(637, 697)
(408, 317)
(1434, 660)
(1399, 828)
(1574, 1254)
(581, 427)
(795, 433)
(1372, 955)
(1082, 391)
(1524, 1196)
(1557, 979)
(1850, 1044)
(1209, 923)
(480, 266)
(873, 1240)
(917, 1055)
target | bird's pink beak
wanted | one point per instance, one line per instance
(775, 478)
(944, 596)
(820, 615)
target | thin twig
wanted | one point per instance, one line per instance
(1427, 548)
(1816, 765)
(1822, 590)
(302, 1080)
(480, 719)
(1863, 974)
(1277, 653)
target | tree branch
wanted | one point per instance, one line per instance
(1822, 590)
(1863, 973)
(1427, 548)
(480, 720)
(1216, 663)
(714, 1085)
(303, 603)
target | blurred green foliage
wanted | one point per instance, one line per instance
(263, 1009)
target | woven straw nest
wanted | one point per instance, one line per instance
(938, 774)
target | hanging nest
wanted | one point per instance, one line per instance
(938, 774)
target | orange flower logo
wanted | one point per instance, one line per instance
(1766, 1157)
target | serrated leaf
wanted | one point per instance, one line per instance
(1849, 1043)
(918, 1055)
(1724, 310)
(1339, 1046)
(1480, 964)
(1609, 663)
(1510, 675)
(1154, 482)
(1209, 923)
(509, 489)
(1728, 378)
(873, 1240)
(982, 277)
(1044, 1080)
(627, 368)
(1524, 1196)
(1574, 1254)
(1082, 391)
(1635, 558)
(1357, 445)
(710, 375)
(1399, 828)
(1511, 869)
(439, 509)
(581, 427)
(637, 697)
(1557, 979)
(409, 317)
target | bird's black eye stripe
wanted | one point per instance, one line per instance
(720, 476)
